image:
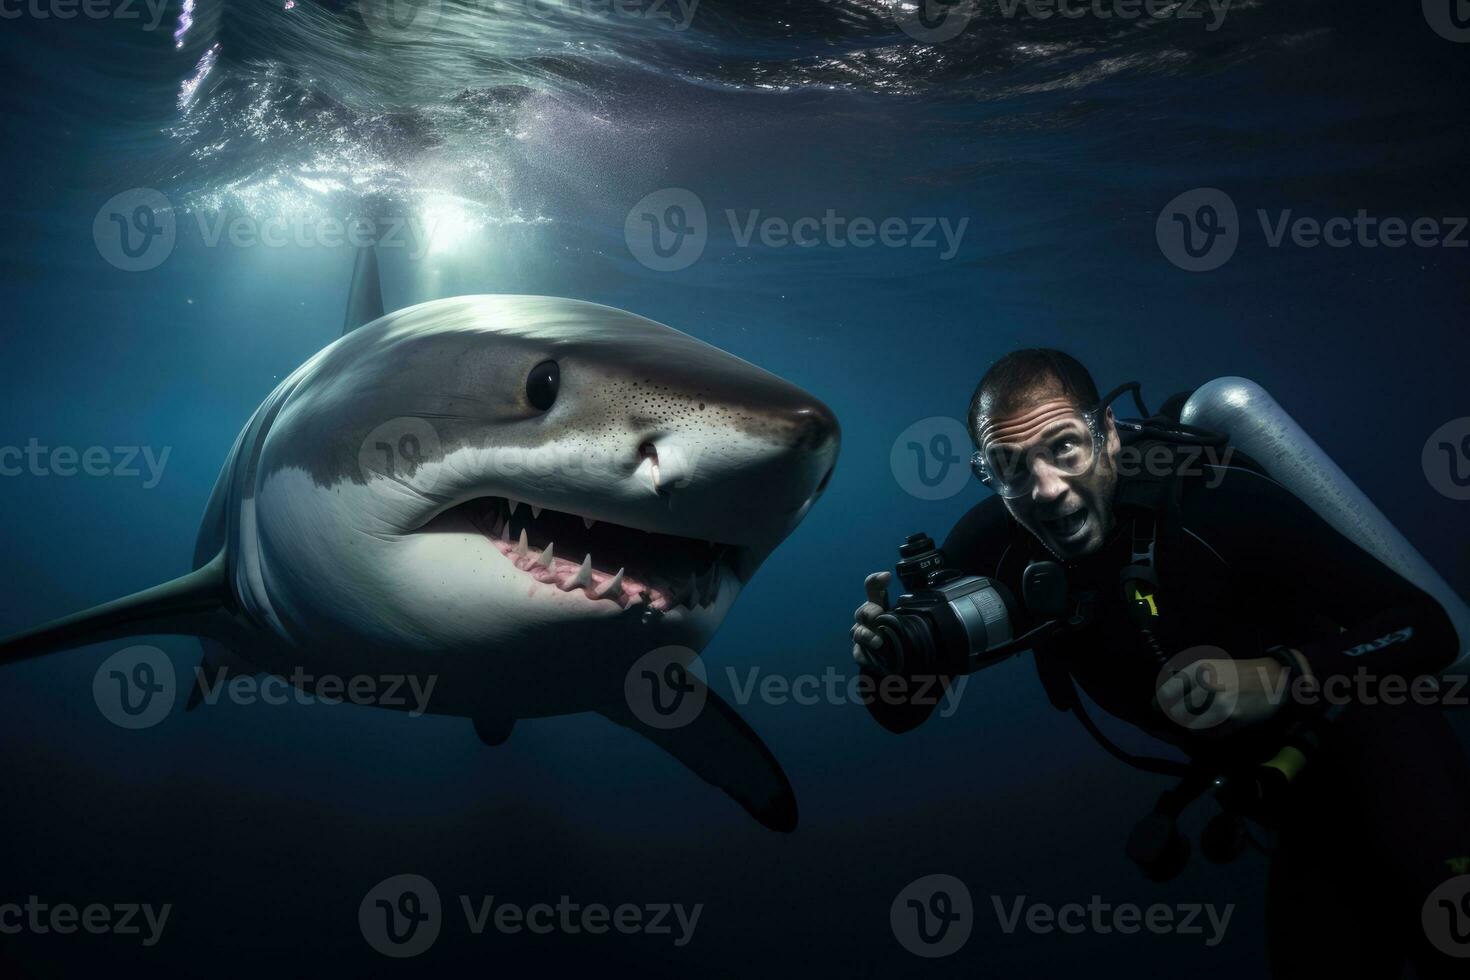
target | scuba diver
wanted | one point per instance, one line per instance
(1158, 567)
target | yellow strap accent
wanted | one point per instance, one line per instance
(1149, 598)
(1289, 762)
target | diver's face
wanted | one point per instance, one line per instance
(1068, 486)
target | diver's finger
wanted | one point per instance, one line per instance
(861, 656)
(868, 613)
(1172, 691)
(877, 587)
(863, 636)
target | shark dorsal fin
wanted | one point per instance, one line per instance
(365, 300)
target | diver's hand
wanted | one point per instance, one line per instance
(864, 638)
(1218, 696)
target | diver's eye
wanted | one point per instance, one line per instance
(542, 385)
(1065, 448)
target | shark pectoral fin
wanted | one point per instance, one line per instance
(191, 605)
(720, 748)
(493, 728)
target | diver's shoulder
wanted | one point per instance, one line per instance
(981, 536)
(1229, 489)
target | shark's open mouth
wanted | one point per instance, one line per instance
(605, 562)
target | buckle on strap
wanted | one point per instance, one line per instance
(1142, 566)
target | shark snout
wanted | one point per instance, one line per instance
(749, 472)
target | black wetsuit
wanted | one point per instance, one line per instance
(1381, 813)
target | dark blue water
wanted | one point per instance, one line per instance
(528, 136)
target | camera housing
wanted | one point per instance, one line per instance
(947, 623)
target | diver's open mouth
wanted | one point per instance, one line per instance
(1068, 525)
(605, 562)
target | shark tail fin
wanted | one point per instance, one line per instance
(188, 605)
(365, 299)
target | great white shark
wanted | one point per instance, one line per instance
(513, 497)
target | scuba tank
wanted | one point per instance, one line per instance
(1258, 426)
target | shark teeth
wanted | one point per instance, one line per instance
(524, 536)
(612, 588)
(582, 579)
(710, 590)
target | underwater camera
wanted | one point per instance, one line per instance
(949, 623)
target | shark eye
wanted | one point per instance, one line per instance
(542, 385)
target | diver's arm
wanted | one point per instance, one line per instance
(1389, 626)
